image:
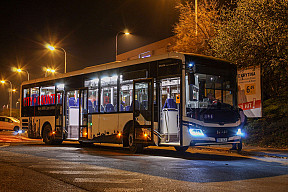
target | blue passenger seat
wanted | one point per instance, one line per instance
(109, 108)
(170, 103)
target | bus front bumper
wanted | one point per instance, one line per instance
(198, 139)
(214, 141)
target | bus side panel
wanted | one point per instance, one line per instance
(36, 124)
(95, 125)
(123, 119)
(108, 124)
(43, 119)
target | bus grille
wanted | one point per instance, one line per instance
(220, 132)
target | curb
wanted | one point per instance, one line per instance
(260, 152)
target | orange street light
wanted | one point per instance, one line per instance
(20, 70)
(10, 94)
(49, 70)
(116, 50)
(50, 47)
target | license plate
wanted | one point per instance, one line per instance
(222, 140)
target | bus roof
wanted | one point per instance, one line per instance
(118, 64)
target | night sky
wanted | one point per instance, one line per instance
(86, 29)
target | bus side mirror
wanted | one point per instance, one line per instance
(191, 78)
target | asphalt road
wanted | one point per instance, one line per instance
(29, 165)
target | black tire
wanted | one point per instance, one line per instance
(48, 137)
(125, 134)
(57, 142)
(85, 144)
(181, 149)
(134, 148)
(239, 146)
(16, 129)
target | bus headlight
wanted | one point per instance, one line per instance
(239, 132)
(196, 132)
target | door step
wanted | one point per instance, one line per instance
(171, 144)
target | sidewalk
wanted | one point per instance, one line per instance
(251, 151)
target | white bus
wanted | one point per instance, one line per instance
(175, 99)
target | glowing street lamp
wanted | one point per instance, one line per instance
(20, 70)
(10, 94)
(51, 48)
(126, 33)
(49, 70)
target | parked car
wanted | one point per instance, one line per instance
(9, 123)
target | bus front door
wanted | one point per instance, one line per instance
(59, 115)
(83, 114)
(142, 133)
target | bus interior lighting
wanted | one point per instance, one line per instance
(114, 78)
(60, 86)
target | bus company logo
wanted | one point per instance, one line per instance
(221, 131)
(208, 116)
(43, 100)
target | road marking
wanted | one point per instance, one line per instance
(61, 166)
(112, 173)
(123, 189)
(5, 145)
(101, 180)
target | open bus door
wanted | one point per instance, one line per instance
(83, 114)
(141, 134)
(59, 109)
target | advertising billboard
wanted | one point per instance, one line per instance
(249, 91)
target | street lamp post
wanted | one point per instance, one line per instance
(116, 50)
(10, 95)
(196, 18)
(65, 55)
(20, 70)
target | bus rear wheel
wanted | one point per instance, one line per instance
(47, 135)
(181, 149)
(133, 147)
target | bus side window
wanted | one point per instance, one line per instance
(93, 103)
(126, 89)
(108, 99)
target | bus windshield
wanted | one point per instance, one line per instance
(208, 91)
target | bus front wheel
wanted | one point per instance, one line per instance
(181, 149)
(239, 146)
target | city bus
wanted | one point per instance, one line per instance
(174, 99)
